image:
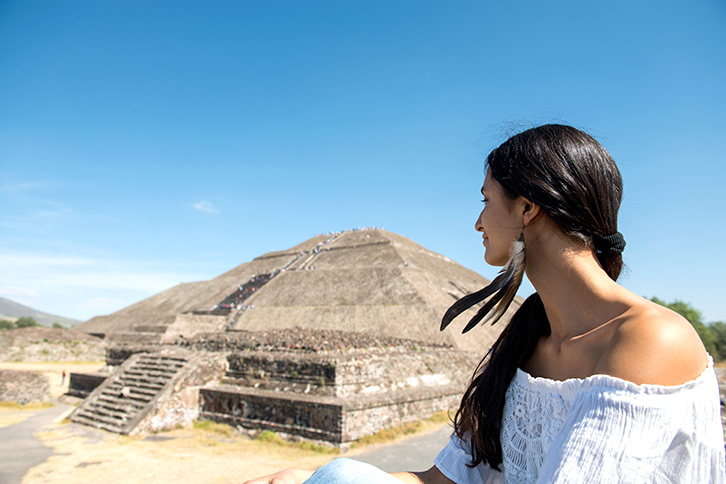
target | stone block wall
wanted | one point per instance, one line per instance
(330, 419)
(361, 417)
(340, 395)
(118, 353)
(310, 417)
(82, 384)
(188, 325)
(23, 387)
(286, 372)
(355, 374)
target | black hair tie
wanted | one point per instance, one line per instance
(609, 243)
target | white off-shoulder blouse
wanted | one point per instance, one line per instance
(601, 429)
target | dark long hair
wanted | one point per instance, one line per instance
(577, 184)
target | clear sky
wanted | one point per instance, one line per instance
(147, 143)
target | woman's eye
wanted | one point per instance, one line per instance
(484, 200)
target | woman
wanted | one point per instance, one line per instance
(588, 382)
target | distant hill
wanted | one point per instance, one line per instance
(12, 310)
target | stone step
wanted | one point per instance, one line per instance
(162, 368)
(133, 395)
(114, 404)
(150, 374)
(142, 382)
(149, 328)
(131, 380)
(144, 377)
(144, 386)
(104, 411)
(138, 387)
(157, 362)
(111, 422)
(134, 337)
(168, 359)
(94, 423)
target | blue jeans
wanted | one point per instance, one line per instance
(349, 471)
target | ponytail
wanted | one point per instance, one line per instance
(480, 414)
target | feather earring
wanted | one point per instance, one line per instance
(502, 291)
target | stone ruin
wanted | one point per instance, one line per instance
(333, 339)
(23, 387)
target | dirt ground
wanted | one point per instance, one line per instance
(184, 455)
(81, 454)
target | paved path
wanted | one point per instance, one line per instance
(20, 450)
(413, 454)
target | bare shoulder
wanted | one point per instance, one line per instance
(654, 345)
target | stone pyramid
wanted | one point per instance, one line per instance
(369, 281)
(333, 339)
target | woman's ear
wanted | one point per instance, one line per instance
(530, 211)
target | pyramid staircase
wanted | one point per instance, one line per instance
(124, 399)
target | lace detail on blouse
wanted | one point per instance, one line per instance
(601, 429)
(530, 422)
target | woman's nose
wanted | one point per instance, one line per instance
(477, 226)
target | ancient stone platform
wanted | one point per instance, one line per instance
(334, 386)
(335, 338)
(328, 385)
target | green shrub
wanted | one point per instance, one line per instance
(214, 427)
(26, 322)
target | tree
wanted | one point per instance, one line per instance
(58, 326)
(719, 331)
(6, 324)
(26, 322)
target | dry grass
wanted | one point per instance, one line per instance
(28, 406)
(271, 438)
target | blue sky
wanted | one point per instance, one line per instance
(147, 143)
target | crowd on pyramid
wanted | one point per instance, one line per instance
(235, 300)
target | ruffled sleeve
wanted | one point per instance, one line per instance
(452, 462)
(636, 434)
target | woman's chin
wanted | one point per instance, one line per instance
(494, 261)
